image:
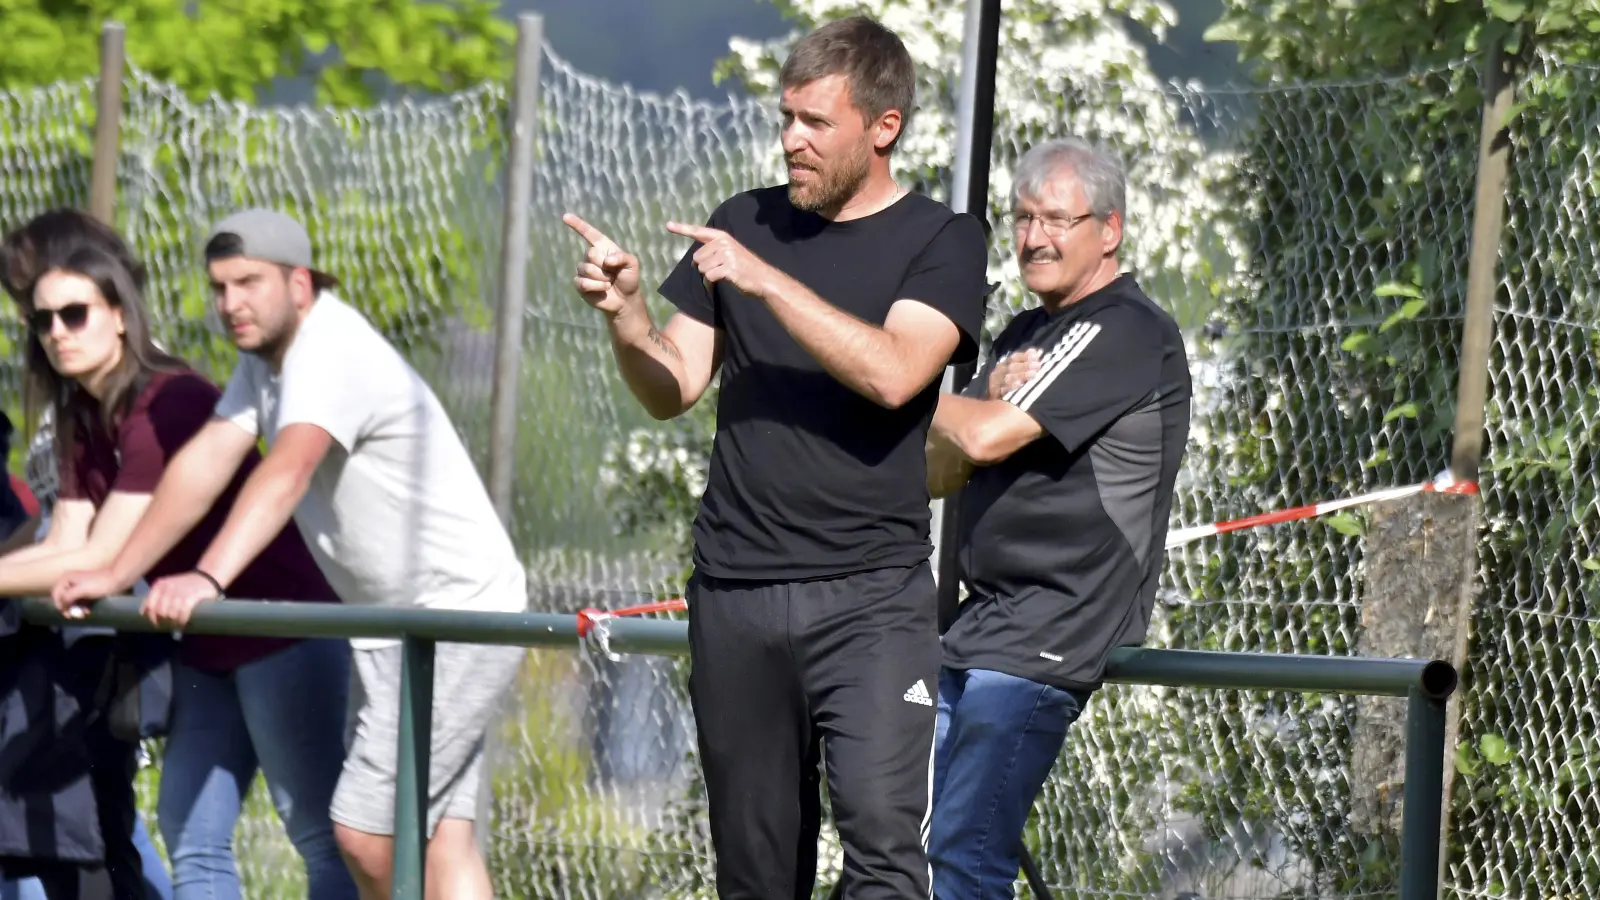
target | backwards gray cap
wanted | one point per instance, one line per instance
(270, 236)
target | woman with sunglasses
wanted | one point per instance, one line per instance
(40, 484)
(121, 408)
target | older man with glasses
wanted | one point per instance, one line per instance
(1068, 444)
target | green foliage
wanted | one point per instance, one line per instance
(409, 269)
(1393, 372)
(1316, 39)
(236, 47)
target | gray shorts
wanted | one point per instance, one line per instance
(470, 681)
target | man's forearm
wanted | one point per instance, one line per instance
(264, 507)
(959, 424)
(862, 356)
(650, 365)
(189, 487)
(984, 432)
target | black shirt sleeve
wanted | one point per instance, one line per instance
(951, 275)
(1099, 369)
(687, 289)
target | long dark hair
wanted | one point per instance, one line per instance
(29, 250)
(74, 409)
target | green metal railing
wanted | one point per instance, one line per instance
(1426, 684)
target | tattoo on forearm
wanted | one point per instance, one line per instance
(660, 340)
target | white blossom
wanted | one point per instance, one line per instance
(1064, 66)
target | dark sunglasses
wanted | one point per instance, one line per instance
(73, 315)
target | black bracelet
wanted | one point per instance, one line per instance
(214, 583)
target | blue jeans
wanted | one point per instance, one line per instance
(995, 742)
(157, 886)
(284, 713)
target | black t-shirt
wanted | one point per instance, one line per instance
(1061, 544)
(809, 479)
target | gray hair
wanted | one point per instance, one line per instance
(1099, 171)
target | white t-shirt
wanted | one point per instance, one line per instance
(396, 514)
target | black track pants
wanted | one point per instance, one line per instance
(781, 671)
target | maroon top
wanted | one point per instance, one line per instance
(166, 414)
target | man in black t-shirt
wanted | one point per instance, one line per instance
(831, 306)
(1068, 443)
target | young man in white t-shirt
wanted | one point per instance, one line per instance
(364, 458)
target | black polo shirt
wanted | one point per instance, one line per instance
(1061, 544)
(809, 479)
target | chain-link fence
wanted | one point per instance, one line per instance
(44, 162)
(1528, 810)
(1312, 241)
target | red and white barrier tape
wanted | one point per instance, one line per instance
(594, 625)
(1442, 485)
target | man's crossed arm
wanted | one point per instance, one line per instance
(971, 431)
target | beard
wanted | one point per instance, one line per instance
(833, 184)
(273, 334)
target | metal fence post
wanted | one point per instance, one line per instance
(507, 378)
(1035, 878)
(514, 263)
(411, 776)
(1483, 260)
(107, 123)
(969, 193)
(1423, 797)
(1477, 346)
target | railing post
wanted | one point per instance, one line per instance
(1423, 797)
(411, 776)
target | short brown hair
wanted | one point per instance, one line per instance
(872, 58)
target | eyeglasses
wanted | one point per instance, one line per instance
(73, 316)
(1054, 225)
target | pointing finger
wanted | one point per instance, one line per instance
(588, 232)
(694, 232)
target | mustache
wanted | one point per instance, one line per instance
(802, 163)
(1040, 254)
